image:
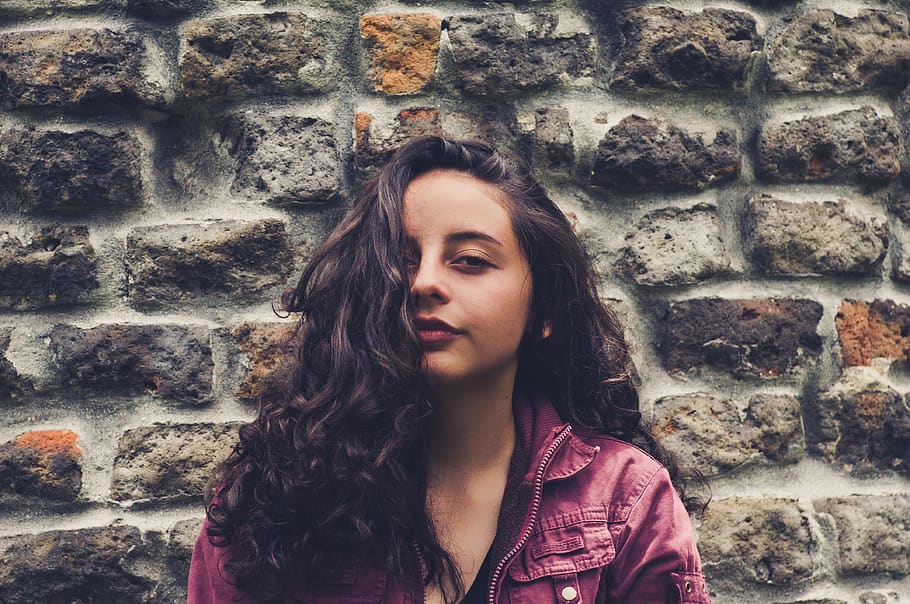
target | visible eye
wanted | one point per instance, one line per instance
(472, 260)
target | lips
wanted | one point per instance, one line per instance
(433, 324)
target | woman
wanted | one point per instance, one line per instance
(460, 424)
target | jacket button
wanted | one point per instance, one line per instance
(569, 593)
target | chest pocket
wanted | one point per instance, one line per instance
(562, 561)
(354, 586)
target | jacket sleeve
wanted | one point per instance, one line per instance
(657, 561)
(208, 581)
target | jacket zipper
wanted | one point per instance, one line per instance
(535, 508)
(421, 572)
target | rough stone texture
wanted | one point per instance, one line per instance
(229, 261)
(676, 246)
(757, 541)
(793, 238)
(375, 140)
(402, 48)
(242, 55)
(665, 48)
(169, 460)
(31, 8)
(869, 330)
(900, 256)
(873, 532)
(56, 266)
(646, 154)
(282, 158)
(42, 463)
(166, 8)
(706, 432)
(861, 424)
(495, 55)
(851, 145)
(550, 139)
(173, 362)
(822, 51)
(74, 68)
(765, 337)
(69, 172)
(86, 565)
(181, 538)
(13, 387)
(268, 347)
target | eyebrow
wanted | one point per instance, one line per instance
(469, 235)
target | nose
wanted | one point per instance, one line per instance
(428, 283)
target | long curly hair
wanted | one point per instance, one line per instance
(335, 462)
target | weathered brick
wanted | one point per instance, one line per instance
(180, 543)
(13, 387)
(495, 55)
(55, 266)
(851, 145)
(706, 432)
(402, 48)
(42, 463)
(169, 460)
(44, 8)
(268, 347)
(869, 330)
(757, 541)
(822, 51)
(861, 424)
(282, 159)
(376, 139)
(70, 172)
(873, 532)
(164, 8)
(900, 255)
(665, 48)
(642, 154)
(243, 55)
(228, 260)
(550, 139)
(75, 68)
(765, 337)
(86, 565)
(809, 238)
(173, 362)
(676, 246)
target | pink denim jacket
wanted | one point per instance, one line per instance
(585, 518)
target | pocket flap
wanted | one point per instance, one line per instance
(572, 548)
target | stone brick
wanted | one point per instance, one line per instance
(268, 347)
(55, 266)
(75, 68)
(869, 330)
(42, 463)
(873, 532)
(822, 51)
(32, 8)
(169, 460)
(282, 159)
(180, 543)
(173, 362)
(13, 387)
(809, 238)
(900, 256)
(165, 8)
(402, 48)
(676, 246)
(495, 55)
(550, 139)
(228, 261)
(644, 154)
(375, 139)
(665, 48)
(757, 541)
(851, 145)
(765, 337)
(707, 433)
(70, 172)
(242, 55)
(86, 565)
(861, 424)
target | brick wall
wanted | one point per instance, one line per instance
(739, 172)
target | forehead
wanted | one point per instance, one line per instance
(450, 200)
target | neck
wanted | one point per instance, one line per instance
(472, 429)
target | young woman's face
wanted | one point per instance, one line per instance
(470, 280)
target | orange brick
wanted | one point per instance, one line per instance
(868, 330)
(403, 49)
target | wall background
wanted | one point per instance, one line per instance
(738, 170)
